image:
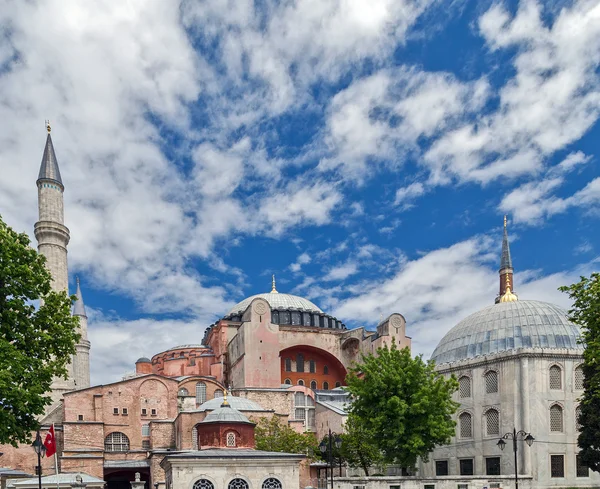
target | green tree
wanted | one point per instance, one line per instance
(273, 435)
(359, 446)
(35, 344)
(402, 403)
(586, 313)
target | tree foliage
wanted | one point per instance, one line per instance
(586, 313)
(359, 446)
(273, 435)
(402, 404)
(35, 344)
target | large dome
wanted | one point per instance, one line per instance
(508, 326)
(277, 301)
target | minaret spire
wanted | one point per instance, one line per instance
(273, 289)
(506, 266)
(79, 307)
(81, 360)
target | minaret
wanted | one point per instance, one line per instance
(53, 237)
(506, 268)
(81, 362)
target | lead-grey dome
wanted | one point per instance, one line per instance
(277, 301)
(508, 326)
(239, 403)
(226, 414)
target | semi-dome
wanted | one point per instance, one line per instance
(508, 326)
(277, 301)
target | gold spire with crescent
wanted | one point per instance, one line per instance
(48, 128)
(273, 289)
(225, 403)
(508, 296)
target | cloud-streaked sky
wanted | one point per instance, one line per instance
(364, 151)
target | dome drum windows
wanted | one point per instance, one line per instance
(465, 421)
(491, 382)
(556, 418)
(555, 377)
(464, 387)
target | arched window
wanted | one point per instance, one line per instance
(299, 362)
(287, 382)
(577, 416)
(556, 418)
(579, 378)
(464, 387)
(203, 484)
(195, 438)
(231, 439)
(116, 442)
(313, 385)
(300, 382)
(555, 375)
(272, 483)
(466, 425)
(326, 386)
(338, 384)
(183, 392)
(200, 393)
(288, 364)
(325, 370)
(492, 422)
(312, 366)
(218, 393)
(238, 484)
(491, 382)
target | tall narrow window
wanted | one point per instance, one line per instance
(288, 364)
(312, 366)
(557, 465)
(325, 370)
(556, 418)
(200, 393)
(492, 422)
(145, 430)
(555, 378)
(231, 439)
(466, 425)
(299, 362)
(313, 385)
(582, 469)
(491, 382)
(579, 378)
(300, 382)
(464, 387)
(326, 386)
(287, 381)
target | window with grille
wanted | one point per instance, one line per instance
(200, 393)
(288, 364)
(555, 377)
(491, 382)
(464, 387)
(441, 467)
(492, 422)
(218, 394)
(556, 418)
(582, 469)
(195, 437)
(577, 417)
(466, 425)
(299, 399)
(272, 483)
(145, 430)
(300, 414)
(238, 484)
(312, 365)
(230, 439)
(326, 386)
(557, 465)
(116, 442)
(145, 444)
(428, 486)
(203, 484)
(466, 466)
(579, 378)
(492, 466)
(183, 392)
(299, 362)
(125, 411)
(313, 384)
(310, 420)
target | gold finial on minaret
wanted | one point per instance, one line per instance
(225, 403)
(508, 296)
(48, 128)
(273, 289)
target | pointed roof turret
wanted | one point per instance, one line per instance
(49, 167)
(79, 306)
(505, 261)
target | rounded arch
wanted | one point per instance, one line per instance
(314, 361)
(465, 424)
(271, 482)
(205, 477)
(287, 381)
(490, 379)
(116, 442)
(491, 418)
(556, 417)
(231, 438)
(578, 377)
(555, 376)
(239, 482)
(313, 385)
(464, 386)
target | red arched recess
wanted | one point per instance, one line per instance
(329, 371)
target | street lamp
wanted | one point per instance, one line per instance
(514, 436)
(40, 449)
(324, 445)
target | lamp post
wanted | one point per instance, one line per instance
(514, 436)
(40, 449)
(325, 445)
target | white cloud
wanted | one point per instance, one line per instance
(341, 272)
(406, 195)
(302, 259)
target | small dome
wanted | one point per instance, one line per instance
(226, 414)
(277, 301)
(240, 403)
(508, 326)
(143, 360)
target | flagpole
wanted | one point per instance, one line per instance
(56, 460)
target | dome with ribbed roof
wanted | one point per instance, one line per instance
(226, 414)
(239, 403)
(277, 301)
(508, 326)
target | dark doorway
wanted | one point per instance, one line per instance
(121, 479)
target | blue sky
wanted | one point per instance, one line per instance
(363, 151)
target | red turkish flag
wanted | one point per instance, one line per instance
(50, 442)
